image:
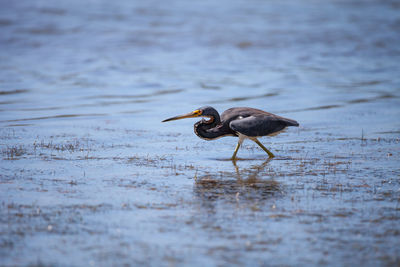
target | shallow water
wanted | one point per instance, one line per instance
(90, 175)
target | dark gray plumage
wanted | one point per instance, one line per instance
(254, 122)
(242, 122)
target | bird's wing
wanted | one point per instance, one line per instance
(258, 125)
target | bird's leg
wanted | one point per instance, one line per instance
(263, 147)
(237, 148)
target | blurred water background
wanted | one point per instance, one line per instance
(90, 176)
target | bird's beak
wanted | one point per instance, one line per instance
(193, 114)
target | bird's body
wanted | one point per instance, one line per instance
(242, 122)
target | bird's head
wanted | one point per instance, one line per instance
(208, 112)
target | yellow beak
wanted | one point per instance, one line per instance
(193, 114)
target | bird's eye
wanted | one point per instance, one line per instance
(197, 112)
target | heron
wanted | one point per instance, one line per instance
(242, 122)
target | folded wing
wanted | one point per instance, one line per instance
(261, 124)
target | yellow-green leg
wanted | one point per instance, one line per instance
(237, 148)
(264, 148)
(236, 151)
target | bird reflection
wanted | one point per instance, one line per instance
(251, 173)
(243, 186)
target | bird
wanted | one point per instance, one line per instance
(242, 122)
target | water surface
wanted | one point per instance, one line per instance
(90, 176)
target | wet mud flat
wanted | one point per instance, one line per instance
(89, 176)
(321, 201)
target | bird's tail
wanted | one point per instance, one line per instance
(290, 122)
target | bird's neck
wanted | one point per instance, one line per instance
(205, 129)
